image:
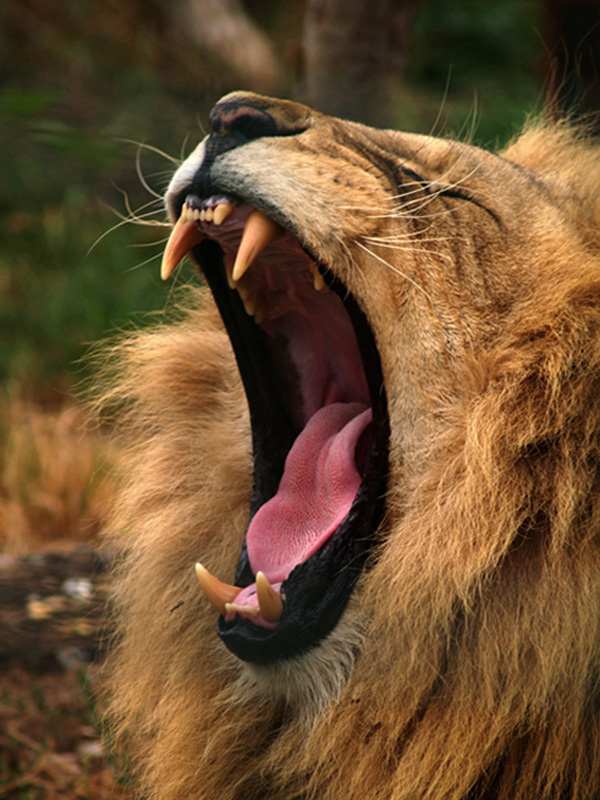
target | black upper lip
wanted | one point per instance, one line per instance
(316, 591)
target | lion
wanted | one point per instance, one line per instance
(358, 535)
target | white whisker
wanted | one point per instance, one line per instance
(397, 271)
(392, 244)
(399, 213)
(158, 242)
(350, 261)
(152, 149)
(140, 174)
(131, 218)
(155, 257)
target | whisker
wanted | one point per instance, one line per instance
(350, 261)
(392, 244)
(152, 149)
(140, 174)
(400, 214)
(106, 233)
(162, 241)
(424, 199)
(470, 123)
(141, 219)
(131, 218)
(405, 235)
(397, 271)
(438, 118)
(186, 139)
(426, 251)
(141, 264)
(141, 216)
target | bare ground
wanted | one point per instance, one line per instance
(50, 738)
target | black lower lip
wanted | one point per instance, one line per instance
(316, 591)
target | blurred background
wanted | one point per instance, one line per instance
(99, 101)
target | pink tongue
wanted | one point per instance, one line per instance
(319, 483)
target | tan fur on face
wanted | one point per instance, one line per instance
(467, 662)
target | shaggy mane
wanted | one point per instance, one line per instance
(475, 636)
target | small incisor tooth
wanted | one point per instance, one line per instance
(234, 608)
(222, 211)
(218, 594)
(269, 601)
(258, 233)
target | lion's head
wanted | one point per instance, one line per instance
(384, 450)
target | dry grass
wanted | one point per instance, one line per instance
(54, 484)
(54, 494)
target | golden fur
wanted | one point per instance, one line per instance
(467, 663)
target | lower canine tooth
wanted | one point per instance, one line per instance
(258, 233)
(269, 601)
(218, 594)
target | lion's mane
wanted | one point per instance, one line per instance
(467, 664)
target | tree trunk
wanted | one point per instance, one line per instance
(354, 54)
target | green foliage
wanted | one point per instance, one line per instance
(495, 39)
(55, 296)
(77, 79)
(483, 57)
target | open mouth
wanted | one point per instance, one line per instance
(312, 375)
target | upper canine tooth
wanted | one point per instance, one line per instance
(219, 594)
(184, 236)
(269, 601)
(222, 211)
(258, 233)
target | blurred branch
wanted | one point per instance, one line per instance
(354, 54)
(223, 28)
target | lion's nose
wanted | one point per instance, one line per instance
(241, 121)
(240, 118)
